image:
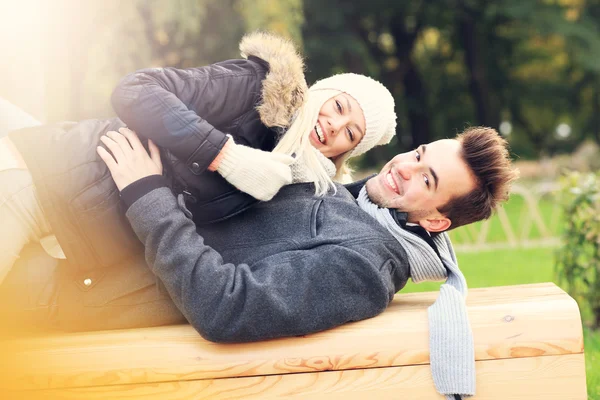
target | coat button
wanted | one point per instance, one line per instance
(87, 282)
(195, 167)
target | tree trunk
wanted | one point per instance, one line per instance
(479, 86)
(415, 95)
(596, 118)
(417, 109)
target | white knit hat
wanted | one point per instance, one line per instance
(376, 103)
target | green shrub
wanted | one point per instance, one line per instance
(578, 259)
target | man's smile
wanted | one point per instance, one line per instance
(391, 183)
(390, 180)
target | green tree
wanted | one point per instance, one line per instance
(376, 38)
(578, 260)
(284, 17)
(451, 63)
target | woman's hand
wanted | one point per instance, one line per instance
(129, 161)
(259, 173)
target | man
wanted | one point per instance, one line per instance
(300, 263)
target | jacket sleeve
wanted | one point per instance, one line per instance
(287, 294)
(172, 106)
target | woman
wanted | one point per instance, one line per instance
(187, 113)
(254, 100)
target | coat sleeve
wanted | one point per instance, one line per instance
(173, 107)
(287, 294)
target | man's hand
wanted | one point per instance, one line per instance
(129, 161)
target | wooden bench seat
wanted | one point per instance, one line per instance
(528, 345)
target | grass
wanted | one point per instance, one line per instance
(500, 268)
(592, 358)
(519, 266)
(521, 222)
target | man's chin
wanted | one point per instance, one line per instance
(373, 191)
(376, 193)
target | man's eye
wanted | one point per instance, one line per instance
(426, 179)
(417, 156)
(339, 106)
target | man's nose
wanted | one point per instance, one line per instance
(406, 170)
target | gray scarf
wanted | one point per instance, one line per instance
(451, 348)
(301, 173)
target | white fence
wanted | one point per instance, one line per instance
(530, 229)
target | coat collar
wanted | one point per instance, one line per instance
(355, 187)
(284, 89)
(400, 217)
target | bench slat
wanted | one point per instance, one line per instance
(548, 378)
(507, 322)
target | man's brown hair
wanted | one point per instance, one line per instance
(486, 154)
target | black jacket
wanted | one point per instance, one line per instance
(79, 196)
(189, 112)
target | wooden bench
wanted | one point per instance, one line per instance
(528, 345)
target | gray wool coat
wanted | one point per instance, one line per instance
(291, 266)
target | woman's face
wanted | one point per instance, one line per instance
(340, 126)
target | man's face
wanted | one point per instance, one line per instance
(421, 181)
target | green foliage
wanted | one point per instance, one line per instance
(449, 64)
(453, 64)
(578, 260)
(592, 360)
(92, 44)
(284, 17)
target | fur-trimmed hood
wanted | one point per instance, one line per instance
(284, 88)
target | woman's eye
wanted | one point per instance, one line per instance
(417, 156)
(426, 179)
(339, 106)
(351, 135)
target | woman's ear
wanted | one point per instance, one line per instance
(436, 224)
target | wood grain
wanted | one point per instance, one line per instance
(543, 378)
(507, 322)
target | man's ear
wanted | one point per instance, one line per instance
(438, 224)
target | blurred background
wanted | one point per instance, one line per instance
(529, 68)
